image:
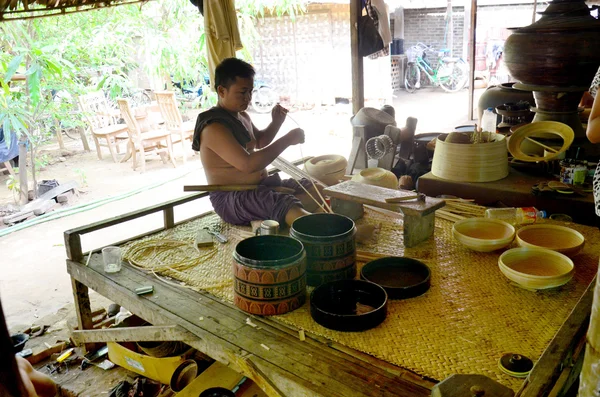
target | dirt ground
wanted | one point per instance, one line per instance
(33, 279)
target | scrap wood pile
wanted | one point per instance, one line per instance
(458, 209)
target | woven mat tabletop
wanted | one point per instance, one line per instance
(469, 318)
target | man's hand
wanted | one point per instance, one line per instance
(295, 136)
(278, 114)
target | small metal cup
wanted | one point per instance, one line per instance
(268, 227)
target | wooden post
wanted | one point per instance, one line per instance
(83, 309)
(59, 137)
(86, 145)
(23, 185)
(358, 84)
(472, 50)
(169, 217)
(450, 43)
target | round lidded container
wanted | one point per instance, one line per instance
(269, 275)
(329, 240)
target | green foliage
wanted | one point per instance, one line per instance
(104, 49)
(82, 176)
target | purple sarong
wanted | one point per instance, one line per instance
(240, 208)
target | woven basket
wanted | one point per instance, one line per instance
(479, 162)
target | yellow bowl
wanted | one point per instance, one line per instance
(483, 234)
(556, 238)
(536, 268)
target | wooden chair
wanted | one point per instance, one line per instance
(102, 123)
(170, 112)
(153, 141)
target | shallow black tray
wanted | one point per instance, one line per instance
(348, 305)
(401, 278)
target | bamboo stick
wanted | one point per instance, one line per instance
(542, 145)
(217, 188)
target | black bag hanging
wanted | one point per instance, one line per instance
(369, 40)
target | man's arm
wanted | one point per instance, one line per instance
(219, 139)
(266, 136)
(593, 127)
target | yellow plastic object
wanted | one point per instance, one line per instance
(557, 238)
(539, 129)
(536, 268)
(483, 234)
(217, 375)
(158, 369)
(65, 355)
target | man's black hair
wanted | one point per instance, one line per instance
(230, 68)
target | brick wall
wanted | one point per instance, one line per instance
(308, 59)
(428, 27)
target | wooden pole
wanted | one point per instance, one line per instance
(450, 24)
(472, 50)
(358, 84)
(534, 11)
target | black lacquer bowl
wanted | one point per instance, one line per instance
(400, 277)
(348, 305)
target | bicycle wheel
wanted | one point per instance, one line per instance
(263, 99)
(453, 78)
(412, 77)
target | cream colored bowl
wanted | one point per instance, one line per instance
(483, 234)
(556, 238)
(328, 169)
(377, 177)
(536, 268)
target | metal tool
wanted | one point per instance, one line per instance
(220, 238)
(418, 197)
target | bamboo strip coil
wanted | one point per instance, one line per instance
(479, 162)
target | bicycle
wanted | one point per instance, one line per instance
(451, 73)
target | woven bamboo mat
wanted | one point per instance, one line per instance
(470, 317)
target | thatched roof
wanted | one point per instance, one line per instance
(28, 9)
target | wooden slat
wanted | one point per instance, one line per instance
(294, 367)
(133, 334)
(549, 366)
(376, 196)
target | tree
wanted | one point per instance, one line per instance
(79, 52)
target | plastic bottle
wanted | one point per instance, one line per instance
(516, 216)
(489, 120)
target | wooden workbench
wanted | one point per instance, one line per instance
(290, 367)
(513, 191)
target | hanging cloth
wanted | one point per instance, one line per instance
(399, 23)
(377, 10)
(221, 33)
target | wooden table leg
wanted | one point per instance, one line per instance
(83, 310)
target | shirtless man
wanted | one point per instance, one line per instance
(234, 151)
